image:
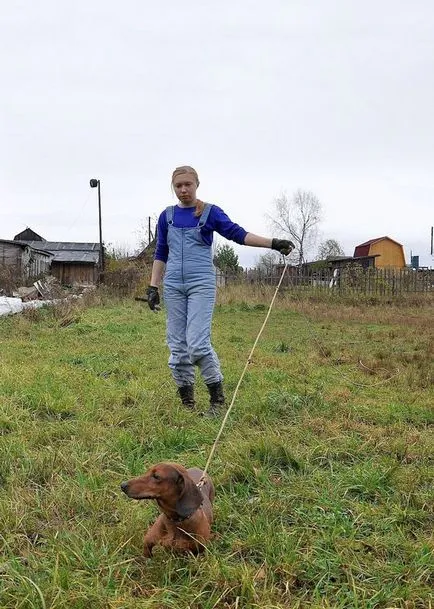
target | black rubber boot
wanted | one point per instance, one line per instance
(216, 398)
(186, 394)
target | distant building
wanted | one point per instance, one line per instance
(147, 254)
(72, 263)
(28, 235)
(339, 262)
(388, 252)
(26, 261)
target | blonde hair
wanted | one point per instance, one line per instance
(187, 169)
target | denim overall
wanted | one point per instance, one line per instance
(189, 296)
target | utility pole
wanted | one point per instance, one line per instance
(97, 184)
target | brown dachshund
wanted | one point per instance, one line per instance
(185, 522)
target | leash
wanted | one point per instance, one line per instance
(249, 360)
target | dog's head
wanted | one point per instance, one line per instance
(168, 483)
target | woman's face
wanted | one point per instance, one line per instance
(185, 188)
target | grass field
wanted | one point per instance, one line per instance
(324, 475)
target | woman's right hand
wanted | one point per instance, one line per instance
(153, 298)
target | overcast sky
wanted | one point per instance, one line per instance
(332, 96)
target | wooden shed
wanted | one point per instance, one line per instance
(147, 254)
(27, 261)
(388, 252)
(73, 263)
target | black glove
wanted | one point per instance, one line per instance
(283, 246)
(153, 298)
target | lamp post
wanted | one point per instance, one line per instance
(97, 184)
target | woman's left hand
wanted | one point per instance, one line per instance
(283, 246)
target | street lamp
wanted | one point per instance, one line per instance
(97, 184)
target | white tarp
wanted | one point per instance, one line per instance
(9, 306)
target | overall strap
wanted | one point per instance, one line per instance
(204, 217)
(169, 214)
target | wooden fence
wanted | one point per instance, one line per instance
(346, 280)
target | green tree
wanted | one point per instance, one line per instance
(329, 249)
(226, 259)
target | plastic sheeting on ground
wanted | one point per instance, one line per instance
(10, 306)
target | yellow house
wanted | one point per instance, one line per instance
(389, 253)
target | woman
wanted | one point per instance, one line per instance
(183, 255)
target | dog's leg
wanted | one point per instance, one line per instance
(153, 536)
(147, 549)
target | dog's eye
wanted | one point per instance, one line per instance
(156, 476)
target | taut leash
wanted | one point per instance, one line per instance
(249, 359)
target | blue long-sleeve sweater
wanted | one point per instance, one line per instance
(184, 217)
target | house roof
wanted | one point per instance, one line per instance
(349, 258)
(337, 259)
(372, 241)
(54, 246)
(28, 234)
(24, 244)
(363, 248)
(65, 251)
(76, 256)
(147, 252)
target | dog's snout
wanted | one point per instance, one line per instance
(124, 486)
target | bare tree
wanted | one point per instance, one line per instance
(147, 231)
(267, 262)
(297, 218)
(329, 249)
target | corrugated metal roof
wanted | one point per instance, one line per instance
(54, 246)
(17, 243)
(349, 258)
(76, 256)
(66, 251)
(24, 244)
(337, 259)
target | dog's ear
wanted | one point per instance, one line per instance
(190, 497)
